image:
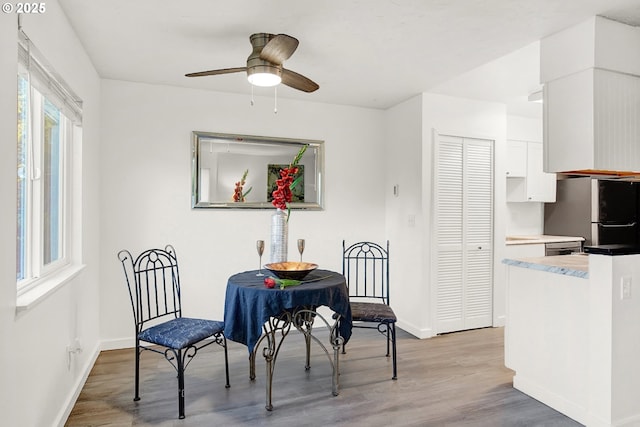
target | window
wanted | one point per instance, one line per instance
(49, 116)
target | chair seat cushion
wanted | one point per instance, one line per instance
(181, 332)
(372, 312)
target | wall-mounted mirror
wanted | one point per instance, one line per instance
(220, 161)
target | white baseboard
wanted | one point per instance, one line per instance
(551, 399)
(415, 331)
(66, 409)
(632, 421)
(117, 344)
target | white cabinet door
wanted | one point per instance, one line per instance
(541, 186)
(516, 159)
(463, 269)
(536, 185)
(448, 234)
(478, 233)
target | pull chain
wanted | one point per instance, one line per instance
(275, 100)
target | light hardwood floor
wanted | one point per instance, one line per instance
(456, 379)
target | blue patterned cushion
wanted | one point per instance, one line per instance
(181, 332)
(372, 312)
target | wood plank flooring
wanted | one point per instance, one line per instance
(456, 379)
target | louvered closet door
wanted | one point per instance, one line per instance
(463, 233)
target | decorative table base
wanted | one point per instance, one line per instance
(275, 331)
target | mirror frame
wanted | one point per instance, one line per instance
(197, 140)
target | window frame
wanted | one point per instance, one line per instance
(35, 267)
(46, 92)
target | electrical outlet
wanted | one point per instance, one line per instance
(73, 350)
(625, 287)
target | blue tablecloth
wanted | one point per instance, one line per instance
(249, 304)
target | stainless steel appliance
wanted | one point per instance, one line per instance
(602, 211)
(562, 248)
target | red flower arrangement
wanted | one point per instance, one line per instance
(282, 194)
(238, 195)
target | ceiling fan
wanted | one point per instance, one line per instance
(264, 65)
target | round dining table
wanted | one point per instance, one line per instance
(254, 312)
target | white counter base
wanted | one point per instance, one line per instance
(573, 342)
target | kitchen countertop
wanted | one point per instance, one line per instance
(570, 265)
(538, 239)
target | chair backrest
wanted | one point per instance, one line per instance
(154, 284)
(365, 265)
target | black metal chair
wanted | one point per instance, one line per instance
(154, 288)
(365, 265)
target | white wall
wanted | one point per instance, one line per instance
(8, 131)
(404, 221)
(145, 191)
(37, 385)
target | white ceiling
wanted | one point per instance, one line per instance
(369, 53)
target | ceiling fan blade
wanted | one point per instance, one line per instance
(215, 72)
(279, 49)
(298, 81)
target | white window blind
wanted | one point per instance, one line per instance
(42, 76)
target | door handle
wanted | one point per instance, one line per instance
(631, 224)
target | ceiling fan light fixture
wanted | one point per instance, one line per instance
(264, 64)
(262, 73)
(264, 79)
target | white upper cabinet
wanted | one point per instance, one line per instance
(592, 122)
(534, 185)
(541, 186)
(591, 76)
(517, 159)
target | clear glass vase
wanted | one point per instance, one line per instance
(279, 236)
